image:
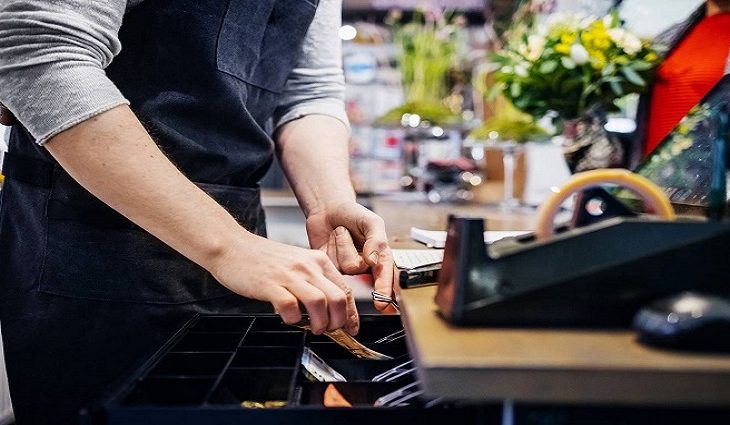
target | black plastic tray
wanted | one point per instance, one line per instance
(213, 363)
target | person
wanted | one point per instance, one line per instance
(120, 222)
(695, 60)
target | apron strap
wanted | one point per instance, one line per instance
(7, 117)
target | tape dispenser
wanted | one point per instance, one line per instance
(595, 272)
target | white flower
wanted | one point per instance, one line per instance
(567, 62)
(560, 22)
(608, 21)
(521, 70)
(535, 47)
(523, 49)
(587, 21)
(631, 44)
(627, 41)
(617, 35)
(579, 54)
(566, 19)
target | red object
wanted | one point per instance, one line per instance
(689, 73)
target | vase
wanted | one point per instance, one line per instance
(510, 153)
(587, 145)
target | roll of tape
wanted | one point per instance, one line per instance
(652, 195)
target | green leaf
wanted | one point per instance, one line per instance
(557, 79)
(641, 65)
(567, 62)
(569, 86)
(515, 90)
(633, 77)
(608, 69)
(548, 67)
(522, 104)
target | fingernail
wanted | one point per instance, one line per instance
(353, 328)
(339, 230)
(374, 257)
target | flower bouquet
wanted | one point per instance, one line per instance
(577, 67)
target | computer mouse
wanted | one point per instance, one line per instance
(688, 321)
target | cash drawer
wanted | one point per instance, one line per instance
(247, 369)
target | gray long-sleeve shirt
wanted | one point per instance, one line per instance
(53, 54)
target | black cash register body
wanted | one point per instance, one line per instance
(601, 272)
(598, 275)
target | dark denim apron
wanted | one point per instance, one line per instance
(84, 293)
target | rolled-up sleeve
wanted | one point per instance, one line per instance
(317, 84)
(52, 59)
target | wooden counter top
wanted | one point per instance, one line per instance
(566, 366)
(533, 365)
(403, 211)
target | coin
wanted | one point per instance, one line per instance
(250, 404)
(274, 404)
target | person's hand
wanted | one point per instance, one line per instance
(354, 239)
(285, 276)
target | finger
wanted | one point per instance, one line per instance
(349, 260)
(380, 259)
(332, 249)
(352, 323)
(314, 301)
(331, 283)
(376, 241)
(353, 318)
(285, 304)
(383, 276)
(389, 310)
(361, 222)
(336, 302)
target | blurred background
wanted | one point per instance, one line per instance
(428, 139)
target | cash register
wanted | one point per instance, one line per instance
(599, 269)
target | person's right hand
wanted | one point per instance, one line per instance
(285, 276)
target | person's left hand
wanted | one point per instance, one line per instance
(354, 239)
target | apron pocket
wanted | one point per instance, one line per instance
(257, 38)
(124, 263)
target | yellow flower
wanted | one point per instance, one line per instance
(568, 38)
(621, 60)
(563, 48)
(651, 57)
(602, 43)
(598, 59)
(596, 37)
